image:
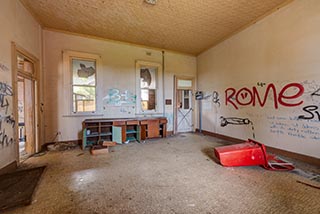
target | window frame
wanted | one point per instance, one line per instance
(68, 56)
(158, 89)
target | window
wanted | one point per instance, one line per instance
(83, 85)
(149, 87)
(80, 79)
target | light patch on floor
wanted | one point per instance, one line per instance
(172, 175)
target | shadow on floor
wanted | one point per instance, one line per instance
(209, 152)
(16, 189)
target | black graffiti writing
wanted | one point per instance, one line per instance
(4, 103)
(5, 140)
(215, 98)
(5, 89)
(237, 121)
(234, 121)
(9, 120)
(3, 67)
(316, 93)
(312, 112)
(261, 84)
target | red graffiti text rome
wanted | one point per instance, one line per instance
(288, 96)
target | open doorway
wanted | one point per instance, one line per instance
(26, 102)
(184, 105)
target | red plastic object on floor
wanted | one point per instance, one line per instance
(250, 153)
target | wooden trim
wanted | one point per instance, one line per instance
(301, 157)
(223, 137)
(11, 167)
(247, 25)
(293, 155)
(35, 78)
(14, 77)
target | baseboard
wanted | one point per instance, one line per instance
(223, 137)
(11, 167)
(300, 157)
(169, 133)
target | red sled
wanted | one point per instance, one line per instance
(250, 153)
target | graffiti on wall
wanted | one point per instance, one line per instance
(225, 121)
(6, 120)
(311, 111)
(294, 127)
(116, 97)
(5, 91)
(288, 96)
(214, 96)
(304, 97)
(3, 67)
(316, 93)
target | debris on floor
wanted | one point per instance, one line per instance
(108, 143)
(99, 149)
(62, 146)
(16, 189)
(310, 185)
(250, 153)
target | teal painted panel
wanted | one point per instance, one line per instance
(117, 134)
(84, 138)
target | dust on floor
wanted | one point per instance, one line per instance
(172, 175)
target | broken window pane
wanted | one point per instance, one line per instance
(83, 72)
(148, 77)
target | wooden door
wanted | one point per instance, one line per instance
(29, 116)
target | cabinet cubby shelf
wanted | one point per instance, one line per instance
(131, 139)
(121, 130)
(131, 131)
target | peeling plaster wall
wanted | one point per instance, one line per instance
(281, 49)
(17, 25)
(117, 71)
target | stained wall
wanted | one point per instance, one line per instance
(117, 71)
(264, 82)
(17, 25)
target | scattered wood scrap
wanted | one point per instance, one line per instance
(310, 185)
(99, 149)
(108, 143)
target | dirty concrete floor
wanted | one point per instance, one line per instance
(172, 175)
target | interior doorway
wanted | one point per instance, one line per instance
(184, 105)
(184, 110)
(26, 102)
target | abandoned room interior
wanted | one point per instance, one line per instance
(159, 106)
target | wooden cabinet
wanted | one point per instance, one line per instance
(122, 130)
(153, 127)
(95, 131)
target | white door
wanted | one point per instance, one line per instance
(185, 111)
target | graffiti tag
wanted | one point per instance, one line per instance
(246, 96)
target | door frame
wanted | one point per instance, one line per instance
(175, 95)
(35, 78)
